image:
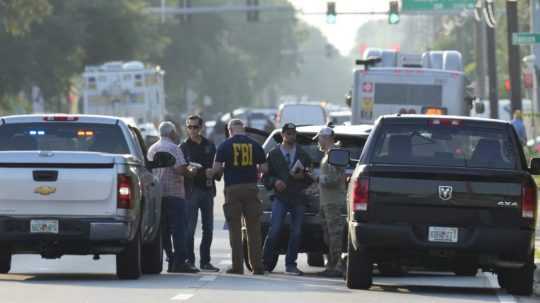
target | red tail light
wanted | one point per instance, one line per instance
(528, 201)
(124, 192)
(360, 194)
(60, 118)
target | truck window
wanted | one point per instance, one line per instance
(408, 94)
(454, 146)
(63, 136)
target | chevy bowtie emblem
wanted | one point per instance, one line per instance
(45, 190)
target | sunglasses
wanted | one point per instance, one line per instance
(193, 127)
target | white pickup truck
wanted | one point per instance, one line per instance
(79, 185)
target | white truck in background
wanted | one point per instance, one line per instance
(390, 82)
(130, 89)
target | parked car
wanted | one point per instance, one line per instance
(352, 139)
(341, 117)
(301, 114)
(443, 193)
(79, 185)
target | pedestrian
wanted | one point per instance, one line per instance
(241, 159)
(200, 153)
(173, 193)
(288, 176)
(332, 189)
(519, 126)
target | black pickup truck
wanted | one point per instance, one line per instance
(446, 194)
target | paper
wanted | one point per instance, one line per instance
(297, 167)
(194, 165)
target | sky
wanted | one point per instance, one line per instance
(342, 34)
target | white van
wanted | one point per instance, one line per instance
(301, 114)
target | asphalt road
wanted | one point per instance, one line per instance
(80, 279)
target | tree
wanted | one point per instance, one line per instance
(19, 15)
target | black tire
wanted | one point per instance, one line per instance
(152, 256)
(248, 263)
(519, 282)
(390, 269)
(128, 262)
(5, 260)
(315, 259)
(359, 268)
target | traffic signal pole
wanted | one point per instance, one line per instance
(514, 58)
(492, 72)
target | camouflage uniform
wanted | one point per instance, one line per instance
(332, 194)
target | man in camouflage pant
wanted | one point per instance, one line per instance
(332, 190)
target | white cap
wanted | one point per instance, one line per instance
(325, 131)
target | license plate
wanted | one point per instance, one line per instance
(443, 234)
(44, 226)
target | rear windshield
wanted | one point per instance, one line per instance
(353, 144)
(454, 146)
(63, 136)
(410, 94)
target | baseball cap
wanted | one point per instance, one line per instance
(288, 126)
(325, 131)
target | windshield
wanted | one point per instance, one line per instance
(410, 94)
(303, 115)
(63, 137)
(459, 146)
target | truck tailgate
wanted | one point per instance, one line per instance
(57, 184)
(452, 197)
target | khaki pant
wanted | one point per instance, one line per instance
(242, 202)
(333, 225)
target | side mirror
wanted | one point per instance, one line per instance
(162, 159)
(339, 157)
(535, 166)
(479, 107)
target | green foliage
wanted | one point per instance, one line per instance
(216, 55)
(18, 15)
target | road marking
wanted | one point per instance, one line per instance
(503, 298)
(182, 297)
(208, 278)
(225, 262)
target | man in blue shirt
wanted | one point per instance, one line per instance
(519, 126)
(241, 159)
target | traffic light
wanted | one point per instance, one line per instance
(331, 15)
(253, 15)
(393, 12)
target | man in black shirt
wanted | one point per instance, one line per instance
(199, 153)
(241, 159)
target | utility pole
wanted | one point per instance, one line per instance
(514, 58)
(480, 51)
(535, 27)
(492, 71)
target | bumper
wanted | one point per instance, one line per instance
(75, 235)
(490, 243)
